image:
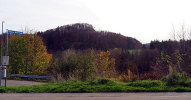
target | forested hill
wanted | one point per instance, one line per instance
(83, 36)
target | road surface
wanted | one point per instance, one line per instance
(19, 83)
(96, 96)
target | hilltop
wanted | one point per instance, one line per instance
(83, 36)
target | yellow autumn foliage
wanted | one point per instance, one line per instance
(105, 66)
(28, 55)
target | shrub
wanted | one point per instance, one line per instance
(75, 65)
(175, 78)
(86, 66)
(187, 83)
(145, 83)
(101, 81)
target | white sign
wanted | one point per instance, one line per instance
(5, 60)
(4, 71)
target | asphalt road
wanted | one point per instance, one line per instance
(97, 96)
(19, 83)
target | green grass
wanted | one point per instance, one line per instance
(134, 52)
(100, 85)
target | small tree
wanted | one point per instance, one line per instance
(105, 66)
(86, 63)
(174, 77)
(75, 65)
(28, 55)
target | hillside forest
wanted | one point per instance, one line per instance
(79, 52)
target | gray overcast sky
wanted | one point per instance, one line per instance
(144, 20)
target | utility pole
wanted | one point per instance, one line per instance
(1, 53)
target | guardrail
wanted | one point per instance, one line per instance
(30, 76)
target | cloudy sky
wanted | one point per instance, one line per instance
(144, 20)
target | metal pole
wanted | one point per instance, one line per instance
(7, 42)
(2, 44)
(1, 52)
(6, 54)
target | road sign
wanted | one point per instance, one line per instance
(5, 60)
(4, 71)
(15, 32)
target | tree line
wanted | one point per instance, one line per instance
(79, 52)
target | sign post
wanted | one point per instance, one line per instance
(1, 51)
(4, 67)
(5, 59)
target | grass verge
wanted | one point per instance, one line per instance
(102, 85)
